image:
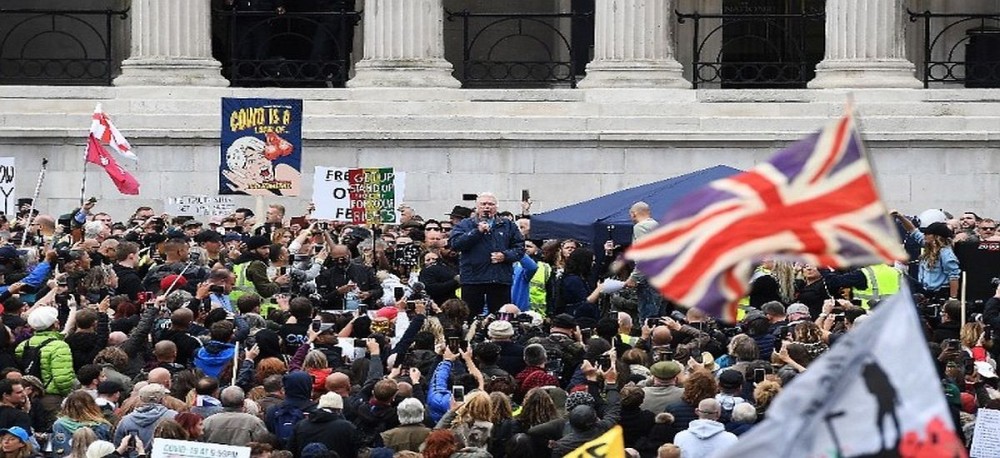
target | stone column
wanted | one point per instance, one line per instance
(865, 47)
(171, 45)
(404, 46)
(633, 46)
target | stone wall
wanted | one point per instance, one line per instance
(931, 148)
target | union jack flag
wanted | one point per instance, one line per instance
(815, 200)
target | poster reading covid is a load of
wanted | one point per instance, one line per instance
(261, 147)
(358, 195)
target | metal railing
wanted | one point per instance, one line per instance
(741, 50)
(520, 49)
(58, 47)
(960, 48)
(293, 49)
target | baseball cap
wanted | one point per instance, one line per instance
(17, 432)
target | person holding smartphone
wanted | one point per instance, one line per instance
(343, 277)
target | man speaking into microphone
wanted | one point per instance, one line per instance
(489, 247)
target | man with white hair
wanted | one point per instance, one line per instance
(489, 246)
(411, 431)
(142, 422)
(705, 436)
(233, 426)
(327, 426)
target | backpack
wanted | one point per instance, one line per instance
(31, 359)
(285, 419)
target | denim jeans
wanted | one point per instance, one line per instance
(650, 301)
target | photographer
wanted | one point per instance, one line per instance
(214, 291)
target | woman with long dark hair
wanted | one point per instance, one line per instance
(578, 294)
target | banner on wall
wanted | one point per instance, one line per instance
(172, 448)
(7, 185)
(261, 147)
(358, 195)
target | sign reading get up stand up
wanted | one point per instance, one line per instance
(358, 195)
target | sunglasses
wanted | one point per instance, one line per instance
(987, 228)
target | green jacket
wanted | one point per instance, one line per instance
(57, 362)
(256, 272)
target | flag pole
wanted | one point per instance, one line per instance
(963, 298)
(31, 208)
(83, 182)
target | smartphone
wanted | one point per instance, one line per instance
(504, 316)
(455, 344)
(970, 367)
(664, 355)
(316, 323)
(652, 322)
(605, 362)
(217, 289)
(323, 226)
(317, 248)
(525, 195)
(399, 292)
(952, 344)
(142, 296)
(131, 441)
(282, 271)
(411, 306)
(458, 393)
(586, 333)
(360, 343)
(362, 309)
(758, 375)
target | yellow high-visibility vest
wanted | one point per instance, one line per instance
(883, 281)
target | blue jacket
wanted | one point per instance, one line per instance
(439, 395)
(523, 272)
(474, 266)
(213, 357)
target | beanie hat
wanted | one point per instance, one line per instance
(501, 330)
(257, 241)
(578, 398)
(100, 449)
(43, 318)
(314, 449)
(169, 280)
(331, 400)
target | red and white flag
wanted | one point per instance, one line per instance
(124, 181)
(875, 393)
(106, 133)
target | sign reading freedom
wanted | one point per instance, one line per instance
(358, 195)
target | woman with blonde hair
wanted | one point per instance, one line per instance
(82, 439)
(472, 420)
(16, 443)
(79, 411)
(939, 271)
(973, 340)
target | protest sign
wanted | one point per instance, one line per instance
(200, 205)
(7, 185)
(171, 448)
(261, 147)
(981, 263)
(358, 195)
(986, 436)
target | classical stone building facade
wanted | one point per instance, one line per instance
(632, 117)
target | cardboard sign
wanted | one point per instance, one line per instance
(200, 205)
(171, 448)
(360, 196)
(986, 436)
(7, 185)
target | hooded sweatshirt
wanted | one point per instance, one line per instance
(298, 390)
(704, 438)
(63, 429)
(142, 422)
(213, 357)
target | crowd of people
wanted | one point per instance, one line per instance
(459, 336)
